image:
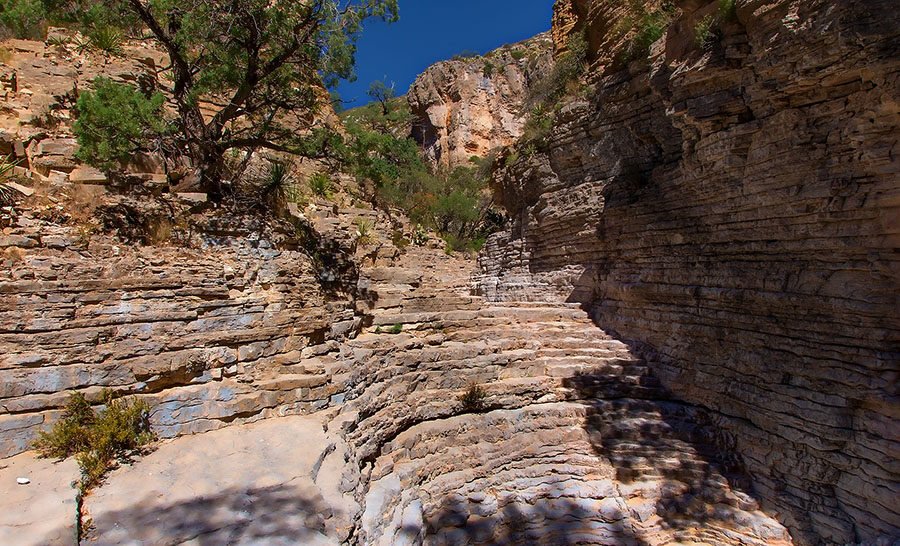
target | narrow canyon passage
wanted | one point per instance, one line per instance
(573, 442)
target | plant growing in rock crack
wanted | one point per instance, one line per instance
(473, 399)
(8, 193)
(364, 235)
(98, 440)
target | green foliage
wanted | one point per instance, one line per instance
(364, 235)
(465, 55)
(106, 39)
(265, 60)
(645, 27)
(395, 329)
(568, 69)
(518, 54)
(97, 439)
(383, 93)
(8, 194)
(709, 29)
(704, 34)
(399, 240)
(320, 184)
(115, 119)
(727, 10)
(396, 121)
(473, 399)
(23, 18)
(380, 157)
(488, 70)
(538, 125)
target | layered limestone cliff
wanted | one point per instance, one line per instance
(469, 106)
(732, 207)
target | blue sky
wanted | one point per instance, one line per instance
(435, 30)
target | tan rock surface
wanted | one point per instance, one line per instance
(467, 107)
(730, 207)
(273, 482)
(41, 513)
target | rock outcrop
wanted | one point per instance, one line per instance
(469, 106)
(209, 336)
(732, 207)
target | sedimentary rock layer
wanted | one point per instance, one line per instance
(468, 106)
(734, 205)
(208, 338)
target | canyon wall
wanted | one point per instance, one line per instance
(468, 106)
(209, 336)
(733, 208)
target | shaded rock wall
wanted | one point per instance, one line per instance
(467, 107)
(735, 209)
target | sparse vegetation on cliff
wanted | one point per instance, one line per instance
(643, 27)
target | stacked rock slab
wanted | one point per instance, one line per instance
(208, 336)
(735, 208)
(573, 441)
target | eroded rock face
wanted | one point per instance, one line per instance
(735, 208)
(467, 107)
(208, 336)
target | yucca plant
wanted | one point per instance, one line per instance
(107, 39)
(364, 236)
(8, 194)
(320, 184)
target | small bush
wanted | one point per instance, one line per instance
(320, 184)
(23, 18)
(517, 54)
(646, 28)
(465, 54)
(473, 400)
(488, 69)
(727, 10)
(97, 439)
(395, 329)
(704, 35)
(107, 40)
(538, 125)
(399, 240)
(364, 235)
(8, 194)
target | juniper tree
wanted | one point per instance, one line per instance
(259, 63)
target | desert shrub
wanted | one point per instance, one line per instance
(704, 34)
(473, 399)
(569, 68)
(399, 240)
(274, 188)
(727, 10)
(23, 18)
(113, 118)
(8, 194)
(488, 69)
(517, 54)
(465, 54)
(538, 124)
(106, 39)
(320, 184)
(645, 27)
(97, 439)
(364, 235)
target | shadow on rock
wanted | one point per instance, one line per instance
(278, 515)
